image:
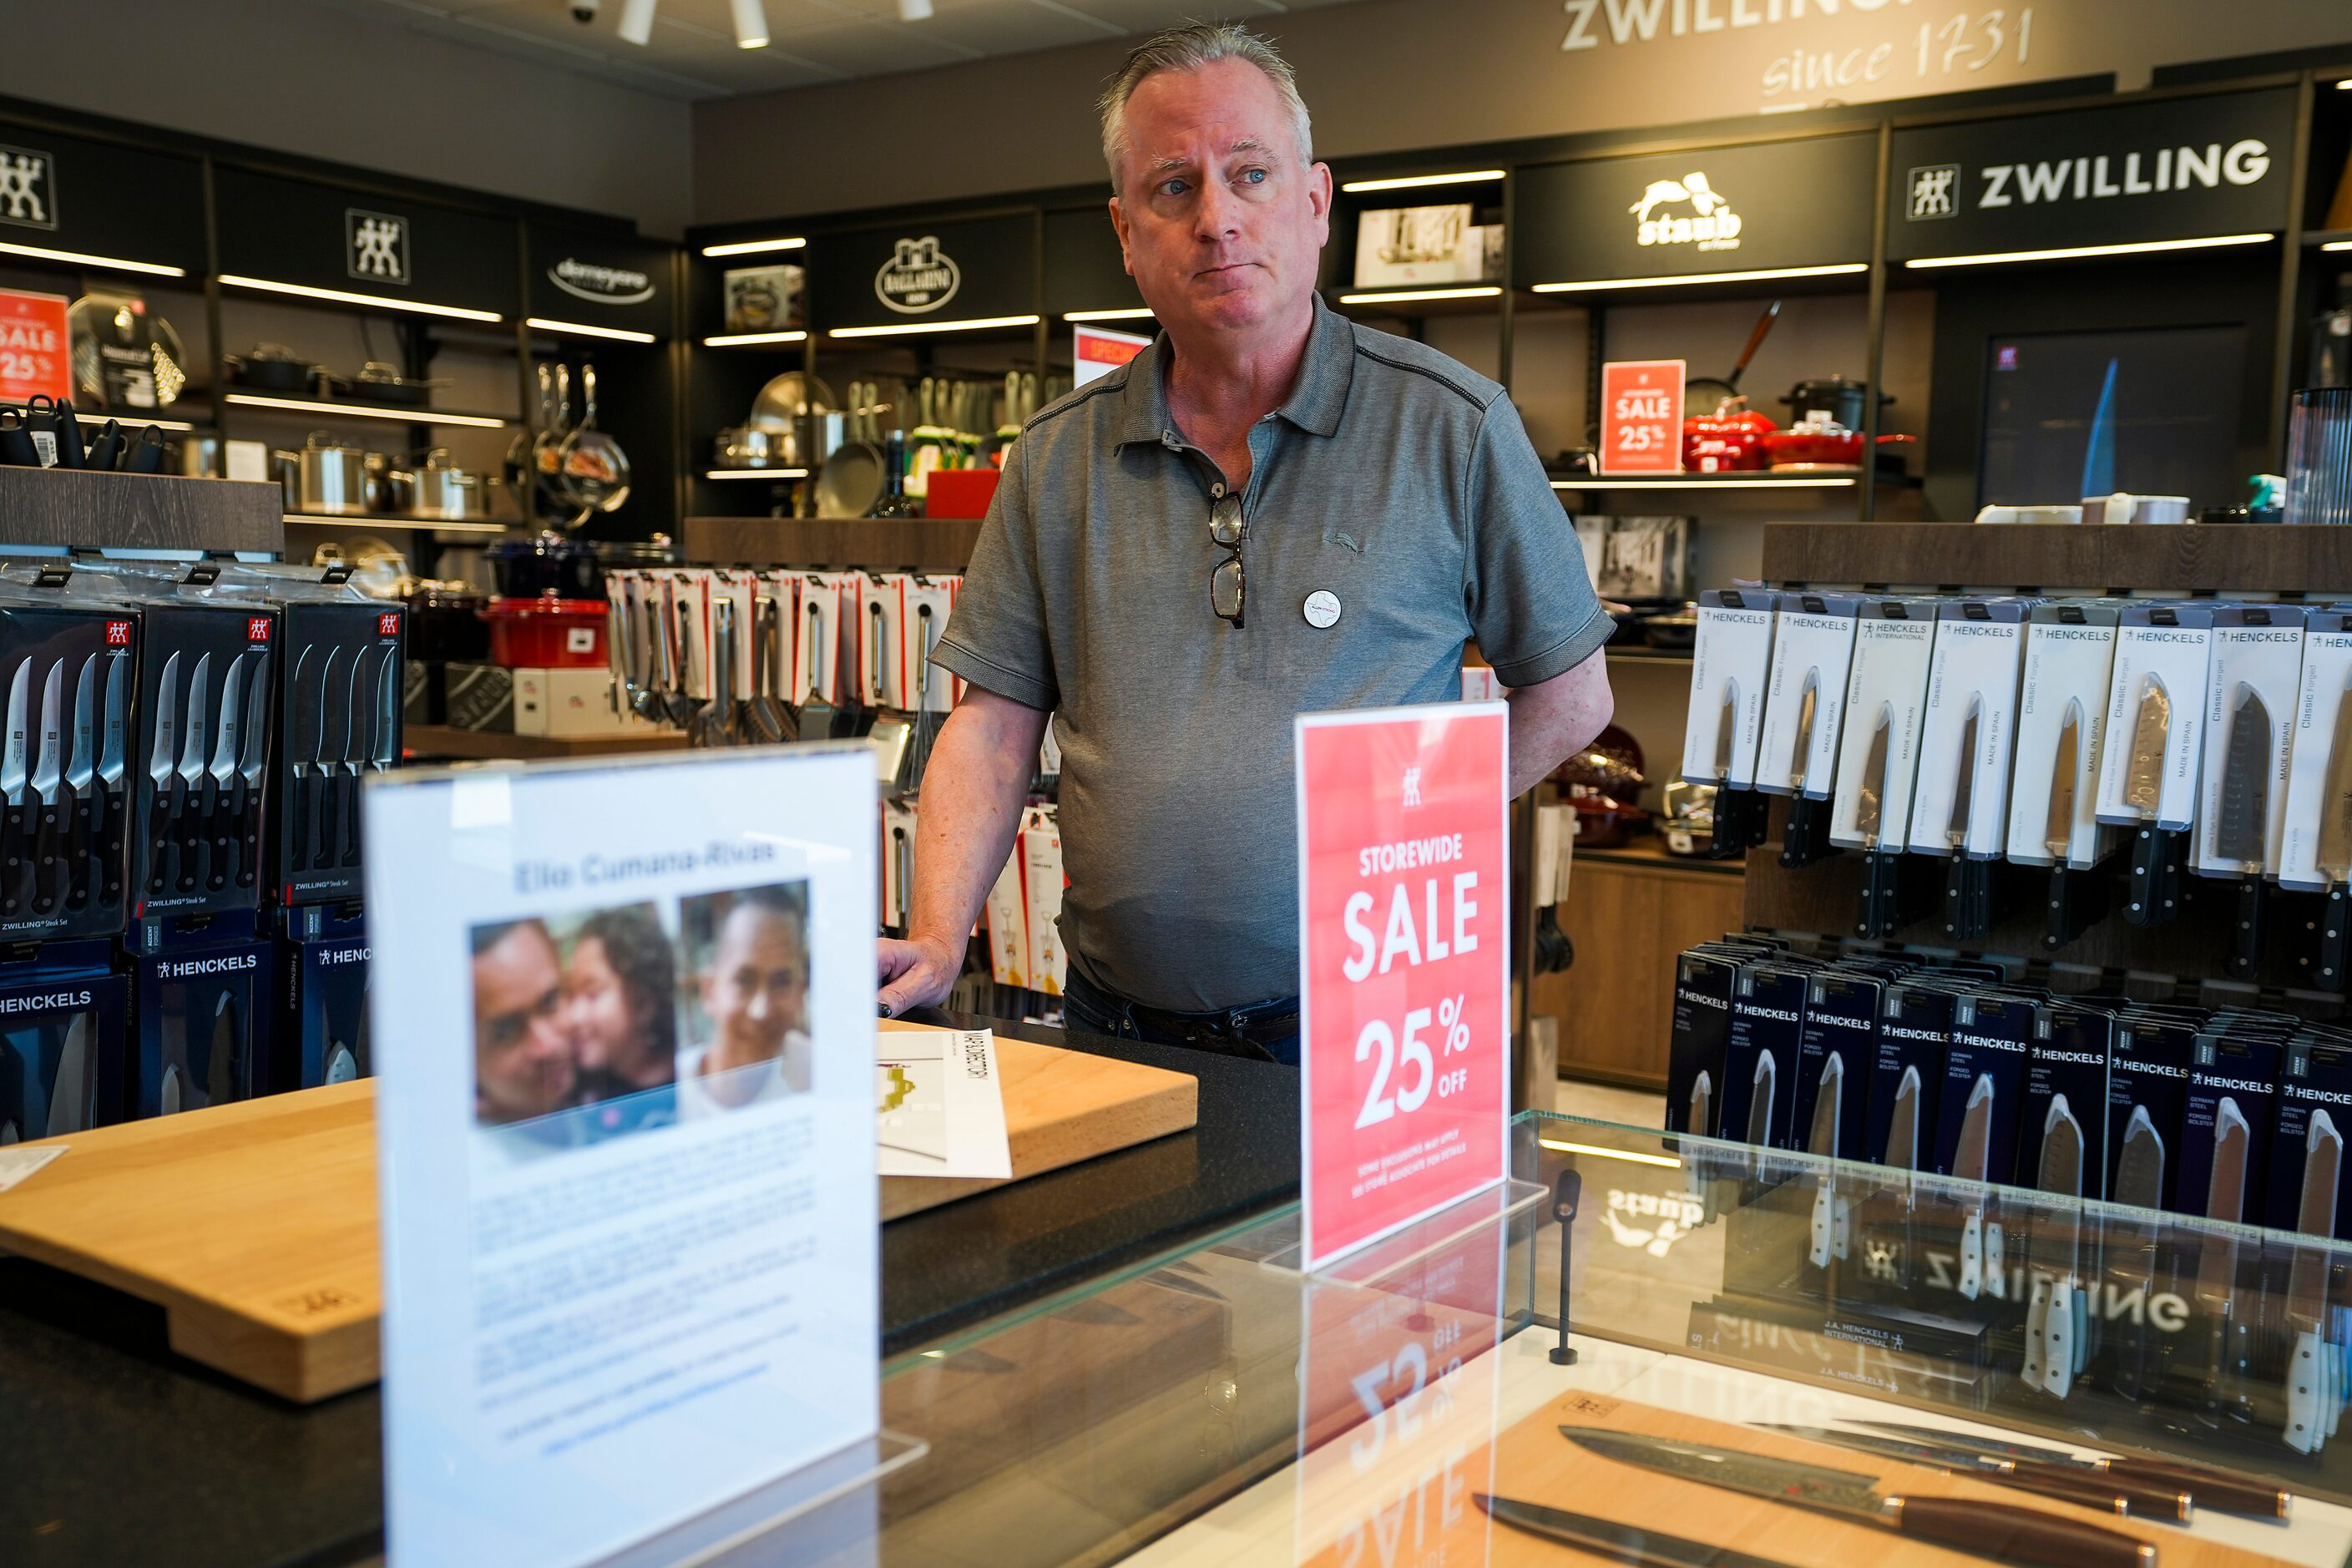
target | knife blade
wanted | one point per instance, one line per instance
(48, 776)
(1618, 1542)
(1981, 1265)
(113, 805)
(12, 775)
(1801, 757)
(303, 748)
(1726, 731)
(2085, 1488)
(81, 832)
(2307, 1287)
(2150, 903)
(2131, 1253)
(359, 735)
(2218, 1490)
(387, 751)
(1830, 1231)
(1978, 1528)
(1760, 1106)
(220, 1060)
(2051, 1338)
(326, 762)
(2066, 767)
(220, 821)
(1870, 789)
(245, 810)
(69, 1091)
(2241, 828)
(1702, 1106)
(163, 750)
(189, 822)
(2217, 1263)
(1964, 780)
(1902, 1127)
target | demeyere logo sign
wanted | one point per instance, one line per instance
(919, 278)
(600, 285)
(2090, 176)
(1688, 211)
(27, 190)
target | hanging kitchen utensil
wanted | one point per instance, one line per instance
(851, 481)
(546, 447)
(1705, 393)
(595, 470)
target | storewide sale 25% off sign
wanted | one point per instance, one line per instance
(1642, 427)
(1404, 843)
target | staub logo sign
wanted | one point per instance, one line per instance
(1688, 211)
(376, 245)
(919, 278)
(1935, 189)
(600, 285)
(28, 188)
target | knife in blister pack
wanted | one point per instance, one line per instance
(2219, 1292)
(1967, 884)
(2077, 898)
(2313, 1391)
(1734, 806)
(48, 783)
(2130, 1247)
(330, 761)
(1891, 1249)
(2241, 824)
(2155, 853)
(81, 774)
(1877, 916)
(1984, 1263)
(244, 807)
(114, 801)
(304, 746)
(2334, 854)
(189, 824)
(163, 757)
(220, 814)
(359, 740)
(14, 778)
(1832, 1217)
(2056, 1312)
(1804, 834)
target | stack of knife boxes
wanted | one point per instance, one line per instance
(180, 919)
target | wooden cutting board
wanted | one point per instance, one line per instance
(1533, 1463)
(254, 1226)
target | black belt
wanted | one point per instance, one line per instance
(1261, 1024)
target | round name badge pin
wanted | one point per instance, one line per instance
(1322, 608)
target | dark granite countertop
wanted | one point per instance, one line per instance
(122, 1452)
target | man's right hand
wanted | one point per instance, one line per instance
(915, 974)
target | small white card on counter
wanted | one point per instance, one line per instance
(2070, 651)
(1812, 650)
(939, 1102)
(2326, 671)
(1730, 659)
(2161, 648)
(19, 1161)
(2257, 666)
(1892, 646)
(1974, 672)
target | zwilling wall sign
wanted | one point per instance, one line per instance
(2176, 169)
(319, 235)
(28, 188)
(600, 285)
(376, 245)
(919, 278)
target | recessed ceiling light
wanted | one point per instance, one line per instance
(637, 21)
(750, 25)
(914, 10)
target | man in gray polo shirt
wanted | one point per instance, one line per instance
(1269, 511)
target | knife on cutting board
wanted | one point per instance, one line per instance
(2154, 896)
(2219, 1490)
(1618, 1542)
(1981, 1529)
(2241, 824)
(2084, 1488)
(2309, 1378)
(1983, 1269)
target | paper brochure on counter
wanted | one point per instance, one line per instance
(939, 1102)
(624, 1032)
(1404, 967)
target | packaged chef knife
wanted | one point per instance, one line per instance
(200, 1017)
(1730, 656)
(2257, 664)
(1887, 689)
(2316, 832)
(1813, 654)
(60, 1055)
(2151, 766)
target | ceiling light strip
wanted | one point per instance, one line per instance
(344, 297)
(584, 330)
(2068, 253)
(756, 474)
(1483, 292)
(1793, 482)
(908, 329)
(1761, 276)
(1131, 313)
(120, 264)
(753, 246)
(405, 416)
(1413, 182)
(738, 340)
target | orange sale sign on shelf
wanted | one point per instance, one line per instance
(36, 354)
(1642, 417)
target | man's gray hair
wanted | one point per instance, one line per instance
(1189, 48)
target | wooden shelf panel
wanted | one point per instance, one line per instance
(933, 544)
(86, 508)
(424, 741)
(2231, 557)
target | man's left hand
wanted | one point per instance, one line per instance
(915, 974)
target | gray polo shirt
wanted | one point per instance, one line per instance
(1394, 479)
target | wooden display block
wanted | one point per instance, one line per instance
(86, 508)
(254, 1226)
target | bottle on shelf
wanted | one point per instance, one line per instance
(894, 501)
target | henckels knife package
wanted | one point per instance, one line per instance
(1887, 689)
(1915, 1029)
(1701, 1026)
(2066, 1085)
(69, 665)
(1984, 1083)
(1813, 652)
(2257, 666)
(2226, 1122)
(60, 1052)
(1759, 1061)
(2156, 716)
(1731, 658)
(2305, 1190)
(2315, 841)
(2062, 725)
(2147, 1105)
(1961, 800)
(1841, 1020)
(202, 1018)
(321, 1031)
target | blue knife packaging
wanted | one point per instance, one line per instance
(2073, 1045)
(2315, 1094)
(203, 1021)
(2150, 1073)
(1841, 1015)
(66, 663)
(1992, 1038)
(1701, 1026)
(1915, 1029)
(60, 1052)
(322, 1034)
(2234, 1081)
(1759, 1053)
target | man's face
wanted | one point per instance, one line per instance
(523, 1063)
(756, 989)
(1221, 222)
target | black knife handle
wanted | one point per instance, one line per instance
(351, 818)
(81, 837)
(2020, 1534)
(297, 824)
(192, 835)
(220, 828)
(2246, 931)
(326, 793)
(2335, 936)
(248, 814)
(13, 875)
(112, 804)
(159, 837)
(46, 863)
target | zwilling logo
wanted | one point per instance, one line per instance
(1411, 789)
(118, 633)
(256, 628)
(387, 625)
(28, 195)
(1710, 225)
(376, 245)
(1935, 191)
(344, 955)
(919, 278)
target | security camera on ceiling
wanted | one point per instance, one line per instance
(584, 11)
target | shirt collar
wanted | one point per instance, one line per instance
(1314, 403)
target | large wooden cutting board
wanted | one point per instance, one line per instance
(254, 1226)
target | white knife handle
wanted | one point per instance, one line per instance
(2060, 1337)
(1842, 1232)
(2303, 1386)
(1972, 1255)
(1996, 1267)
(2037, 1324)
(1824, 1223)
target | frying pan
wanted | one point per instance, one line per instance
(1705, 394)
(851, 480)
(594, 470)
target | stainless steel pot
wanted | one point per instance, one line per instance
(325, 477)
(805, 444)
(199, 455)
(459, 495)
(390, 484)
